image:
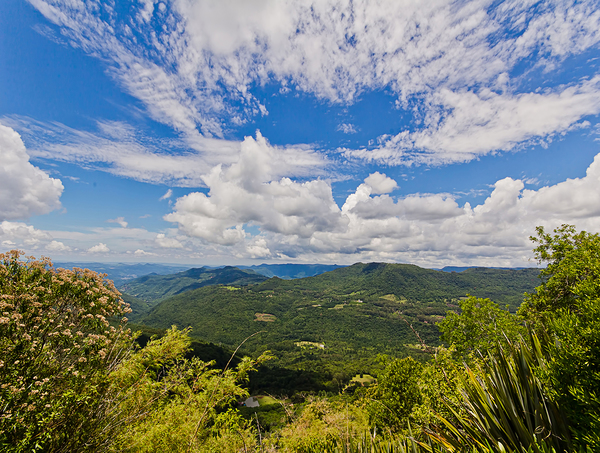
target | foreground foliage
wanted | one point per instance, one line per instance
(70, 381)
(565, 310)
(507, 406)
(57, 348)
(164, 402)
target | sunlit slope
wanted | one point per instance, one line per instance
(504, 286)
(360, 306)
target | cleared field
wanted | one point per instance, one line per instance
(265, 317)
(265, 400)
(365, 380)
(309, 345)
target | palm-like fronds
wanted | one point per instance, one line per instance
(507, 408)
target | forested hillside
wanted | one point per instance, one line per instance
(149, 290)
(414, 283)
(333, 324)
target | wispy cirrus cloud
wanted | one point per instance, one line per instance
(346, 128)
(120, 220)
(196, 69)
(467, 125)
(168, 194)
(118, 149)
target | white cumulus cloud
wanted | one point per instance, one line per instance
(57, 246)
(19, 233)
(99, 248)
(140, 252)
(167, 242)
(247, 193)
(25, 190)
(380, 183)
(426, 229)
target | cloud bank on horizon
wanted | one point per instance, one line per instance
(209, 94)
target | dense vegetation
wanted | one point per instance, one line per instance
(149, 290)
(331, 326)
(525, 382)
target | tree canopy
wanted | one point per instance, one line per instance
(565, 310)
(480, 325)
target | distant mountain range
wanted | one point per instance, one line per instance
(119, 273)
(122, 272)
(291, 271)
(464, 268)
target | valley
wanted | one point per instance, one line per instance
(356, 313)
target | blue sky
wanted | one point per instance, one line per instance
(236, 132)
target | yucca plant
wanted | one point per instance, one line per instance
(506, 408)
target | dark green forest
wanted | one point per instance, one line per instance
(371, 357)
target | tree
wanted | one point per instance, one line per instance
(565, 311)
(572, 274)
(57, 347)
(396, 393)
(481, 326)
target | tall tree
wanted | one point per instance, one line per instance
(481, 326)
(396, 394)
(566, 309)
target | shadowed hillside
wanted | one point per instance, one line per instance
(149, 290)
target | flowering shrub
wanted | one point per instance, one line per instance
(57, 347)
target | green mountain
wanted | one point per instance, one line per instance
(406, 281)
(357, 311)
(145, 292)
